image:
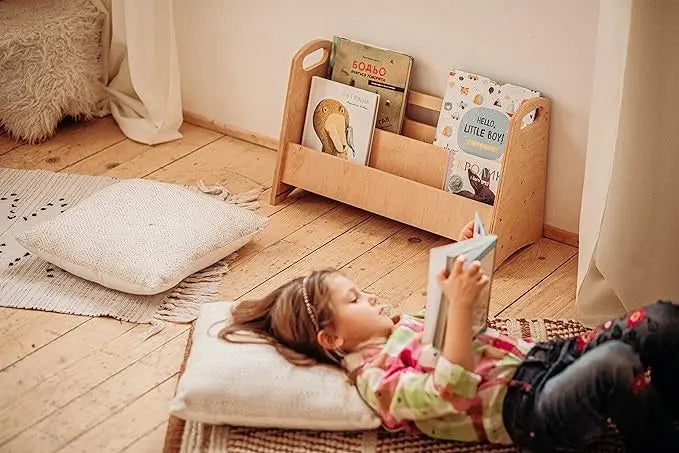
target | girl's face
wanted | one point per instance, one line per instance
(357, 316)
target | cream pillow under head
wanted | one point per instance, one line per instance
(253, 385)
(141, 236)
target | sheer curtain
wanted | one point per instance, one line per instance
(629, 228)
(140, 52)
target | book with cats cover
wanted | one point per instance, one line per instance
(473, 127)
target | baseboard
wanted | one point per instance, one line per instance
(230, 130)
(559, 235)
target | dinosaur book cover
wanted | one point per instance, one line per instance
(340, 120)
(382, 71)
(473, 127)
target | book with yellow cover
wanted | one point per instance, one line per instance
(382, 71)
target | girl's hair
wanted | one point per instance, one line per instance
(282, 320)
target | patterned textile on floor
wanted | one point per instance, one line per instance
(190, 437)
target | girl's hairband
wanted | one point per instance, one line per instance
(309, 308)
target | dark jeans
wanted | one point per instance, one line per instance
(625, 371)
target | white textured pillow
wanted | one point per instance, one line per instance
(142, 237)
(253, 385)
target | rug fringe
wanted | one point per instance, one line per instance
(183, 303)
(246, 200)
(192, 438)
(157, 326)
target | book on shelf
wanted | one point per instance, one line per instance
(480, 247)
(382, 71)
(473, 126)
(340, 120)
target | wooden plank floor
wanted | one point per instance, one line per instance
(72, 383)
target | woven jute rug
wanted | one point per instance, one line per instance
(26, 281)
(189, 437)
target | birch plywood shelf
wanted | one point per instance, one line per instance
(404, 177)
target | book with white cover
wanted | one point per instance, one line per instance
(340, 120)
(480, 247)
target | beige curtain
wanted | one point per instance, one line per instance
(142, 69)
(629, 229)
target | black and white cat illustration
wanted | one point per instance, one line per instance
(481, 186)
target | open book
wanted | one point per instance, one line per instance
(480, 247)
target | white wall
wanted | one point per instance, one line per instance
(235, 56)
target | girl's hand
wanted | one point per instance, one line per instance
(462, 287)
(467, 232)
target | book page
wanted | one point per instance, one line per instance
(437, 303)
(436, 309)
(480, 309)
(482, 306)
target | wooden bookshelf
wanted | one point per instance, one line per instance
(405, 174)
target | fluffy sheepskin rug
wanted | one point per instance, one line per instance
(50, 64)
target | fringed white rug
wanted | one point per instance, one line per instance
(30, 197)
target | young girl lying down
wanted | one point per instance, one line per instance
(490, 387)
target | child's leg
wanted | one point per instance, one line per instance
(606, 382)
(660, 350)
(653, 332)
